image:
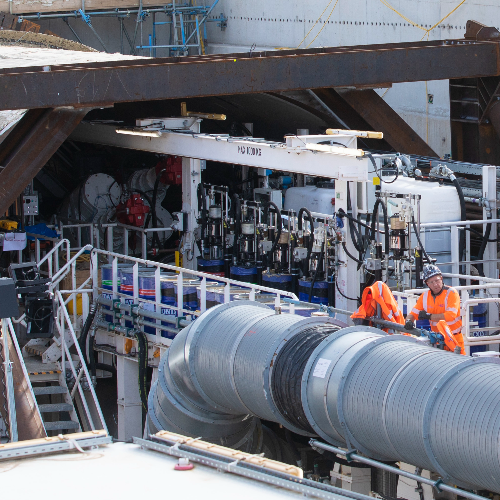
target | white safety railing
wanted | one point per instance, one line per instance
(455, 262)
(89, 233)
(70, 266)
(79, 229)
(80, 372)
(52, 258)
(489, 295)
(473, 333)
(228, 285)
(125, 229)
(406, 300)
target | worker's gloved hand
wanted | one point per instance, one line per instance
(409, 324)
(424, 315)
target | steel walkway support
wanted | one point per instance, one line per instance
(30, 145)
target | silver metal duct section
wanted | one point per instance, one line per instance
(387, 396)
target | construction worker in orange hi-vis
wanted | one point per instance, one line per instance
(440, 305)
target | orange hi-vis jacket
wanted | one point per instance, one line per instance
(379, 294)
(446, 302)
(450, 340)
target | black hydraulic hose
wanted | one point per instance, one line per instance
(344, 246)
(86, 329)
(106, 368)
(490, 240)
(353, 230)
(320, 262)
(355, 236)
(156, 238)
(427, 258)
(92, 361)
(311, 225)
(142, 344)
(366, 225)
(357, 300)
(482, 248)
(202, 208)
(155, 194)
(463, 216)
(237, 224)
(357, 241)
(378, 203)
(278, 224)
(379, 174)
(365, 237)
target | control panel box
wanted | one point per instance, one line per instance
(30, 204)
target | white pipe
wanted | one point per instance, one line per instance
(473, 278)
(459, 223)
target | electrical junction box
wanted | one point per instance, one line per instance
(39, 317)
(30, 204)
(266, 194)
(266, 245)
(9, 308)
(300, 253)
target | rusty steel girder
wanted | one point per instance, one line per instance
(381, 117)
(104, 83)
(33, 148)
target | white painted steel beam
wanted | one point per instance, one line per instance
(344, 164)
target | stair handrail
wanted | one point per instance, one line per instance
(65, 354)
(54, 250)
(63, 272)
(62, 307)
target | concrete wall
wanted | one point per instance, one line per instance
(285, 23)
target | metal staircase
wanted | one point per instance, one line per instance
(59, 378)
(52, 395)
(55, 373)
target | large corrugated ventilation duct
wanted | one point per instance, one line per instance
(388, 396)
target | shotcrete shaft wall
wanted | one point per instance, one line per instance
(388, 396)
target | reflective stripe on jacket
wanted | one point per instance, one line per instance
(447, 302)
(379, 294)
(450, 340)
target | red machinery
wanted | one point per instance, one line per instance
(133, 211)
(173, 170)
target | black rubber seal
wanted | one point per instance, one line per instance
(286, 378)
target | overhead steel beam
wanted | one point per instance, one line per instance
(381, 117)
(33, 149)
(97, 84)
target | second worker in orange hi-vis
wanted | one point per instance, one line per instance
(439, 303)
